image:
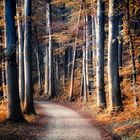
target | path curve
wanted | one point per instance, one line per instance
(67, 124)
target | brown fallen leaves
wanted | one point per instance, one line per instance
(33, 128)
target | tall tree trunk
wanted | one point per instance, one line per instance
(47, 58)
(120, 42)
(38, 71)
(113, 72)
(4, 87)
(1, 90)
(93, 20)
(51, 92)
(20, 48)
(57, 68)
(87, 36)
(64, 72)
(85, 86)
(84, 75)
(29, 105)
(56, 72)
(46, 72)
(38, 62)
(101, 100)
(82, 84)
(72, 75)
(69, 62)
(14, 109)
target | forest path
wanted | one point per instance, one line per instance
(67, 124)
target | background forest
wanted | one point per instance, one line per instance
(80, 52)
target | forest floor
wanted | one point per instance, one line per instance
(54, 119)
(30, 130)
(123, 125)
(119, 126)
(53, 122)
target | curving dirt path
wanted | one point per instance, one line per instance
(67, 124)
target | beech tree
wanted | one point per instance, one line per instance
(84, 71)
(28, 104)
(88, 43)
(4, 87)
(14, 110)
(51, 82)
(20, 53)
(113, 71)
(120, 40)
(36, 49)
(101, 100)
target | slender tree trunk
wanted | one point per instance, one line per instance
(38, 72)
(87, 36)
(4, 87)
(47, 72)
(84, 75)
(38, 62)
(57, 68)
(56, 72)
(113, 72)
(1, 55)
(85, 86)
(93, 20)
(20, 48)
(29, 105)
(72, 75)
(47, 58)
(52, 91)
(101, 100)
(64, 73)
(69, 62)
(14, 109)
(82, 85)
(120, 42)
(4, 66)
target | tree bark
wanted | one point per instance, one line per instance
(85, 86)
(4, 87)
(93, 20)
(87, 39)
(47, 58)
(113, 72)
(29, 105)
(38, 71)
(37, 52)
(20, 48)
(101, 100)
(51, 92)
(120, 42)
(14, 109)
(46, 72)
(69, 62)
